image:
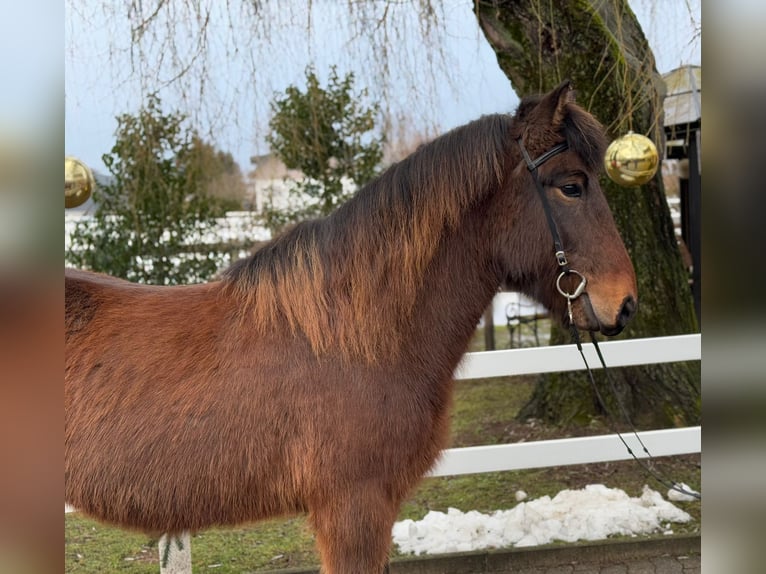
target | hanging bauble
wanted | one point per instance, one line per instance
(78, 182)
(631, 160)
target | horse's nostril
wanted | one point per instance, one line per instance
(627, 310)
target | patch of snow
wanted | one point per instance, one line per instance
(593, 513)
(676, 495)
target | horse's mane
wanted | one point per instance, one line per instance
(350, 280)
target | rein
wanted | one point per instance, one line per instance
(667, 483)
(563, 264)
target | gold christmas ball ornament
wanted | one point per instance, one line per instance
(78, 182)
(631, 160)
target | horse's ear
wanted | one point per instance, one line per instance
(554, 102)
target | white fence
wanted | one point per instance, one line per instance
(581, 450)
(479, 459)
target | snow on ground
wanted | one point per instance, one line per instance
(593, 513)
(682, 493)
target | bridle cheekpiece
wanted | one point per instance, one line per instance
(558, 246)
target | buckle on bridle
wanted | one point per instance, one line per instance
(561, 258)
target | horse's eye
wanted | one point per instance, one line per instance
(572, 190)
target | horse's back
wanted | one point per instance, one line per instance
(89, 294)
(113, 320)
(84, 292)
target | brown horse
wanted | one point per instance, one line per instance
(316, 376)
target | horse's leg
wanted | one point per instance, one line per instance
(353, 531)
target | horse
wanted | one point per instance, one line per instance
(315, 376)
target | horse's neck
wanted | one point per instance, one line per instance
(458, 287)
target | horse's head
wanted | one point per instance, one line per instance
(579, 216)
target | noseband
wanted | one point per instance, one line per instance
(558, 247)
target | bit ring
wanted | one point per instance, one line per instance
(578, 290)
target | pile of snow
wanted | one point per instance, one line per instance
(593, 513)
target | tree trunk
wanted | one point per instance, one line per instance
(600, 46)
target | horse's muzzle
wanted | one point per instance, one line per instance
(587, 318)
(624, 315)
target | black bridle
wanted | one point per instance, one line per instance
(558, 246)
(563, 264)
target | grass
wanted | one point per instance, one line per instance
(483, 414)
(95, 548)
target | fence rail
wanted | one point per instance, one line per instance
(486, 364)
(562, 452)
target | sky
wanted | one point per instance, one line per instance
(429, 96)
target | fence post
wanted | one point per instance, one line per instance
(175, 554)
